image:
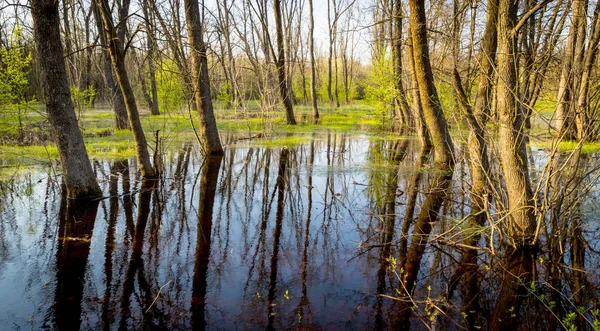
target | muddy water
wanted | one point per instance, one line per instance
(305, 237)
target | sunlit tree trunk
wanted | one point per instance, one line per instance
(402, 109)
(151, 43)
(566, 87)
(518, 262)
(444, 161)
(117, 55)
(116, 96)
(432, 108)
(583, 118)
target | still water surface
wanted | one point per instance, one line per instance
(261, 238)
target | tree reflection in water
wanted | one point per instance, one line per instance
(332, 233)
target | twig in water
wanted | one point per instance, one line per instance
(157, 295)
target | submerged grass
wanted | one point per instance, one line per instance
(175, 128)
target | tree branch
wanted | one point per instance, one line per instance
(528, 14)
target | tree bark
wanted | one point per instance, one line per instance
(284, 90)
(209, 134)
(313, 78)
(79, 176)
(432, 108)
(153, 100)
(330, 55)
(518, 263)
(511, 124)
(116, 96)
(117, 56)
(583, 118)
(417, 107)
(402, 109)
(566, 89)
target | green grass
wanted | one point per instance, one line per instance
(276, 142)
(568, 146)
(104, 142)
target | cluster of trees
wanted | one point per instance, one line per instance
(496, 73)
(77, 59)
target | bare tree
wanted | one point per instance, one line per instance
(311, 46)
(281, 72)
(209, 134)
(116, 96)
(117, 55)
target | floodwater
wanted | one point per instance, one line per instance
(307, 237)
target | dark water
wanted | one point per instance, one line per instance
(261, 238)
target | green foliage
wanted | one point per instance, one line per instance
(15, 61)
(380, 88)
(224, 96)
(169, 86)
(83, 98)
(14, 66)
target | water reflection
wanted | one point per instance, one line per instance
(340, 232)
(208, 188)
(75, 228)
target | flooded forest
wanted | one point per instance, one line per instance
(299, 164)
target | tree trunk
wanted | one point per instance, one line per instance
(512, 143)
(209, 134)
(566, 89)
(284, 90)
(520, 214)
(432, 108)
(116, 96)
(444, 159)
(330, 55)
(402, 109)
(117, 56)
(79, 176)
(153, 100)
(583, 118)
(313, 75)
(417, 107)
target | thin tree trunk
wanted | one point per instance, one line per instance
(330, 55)
(117, 56)
(209, 134)
(313, 78)
(584, 120)
(153, 100)
(79, 176)
(402, 109)
(417, 107)
(566, 88)
(284, 90)
(116, 96)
